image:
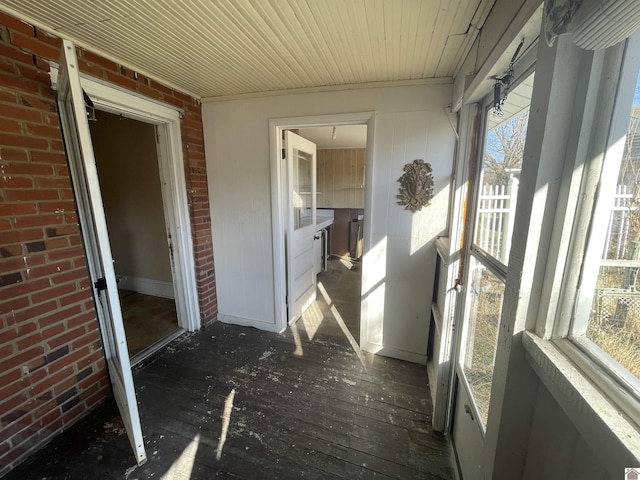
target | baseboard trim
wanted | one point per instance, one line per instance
(247, 322)
(394, 353)
(147, 286)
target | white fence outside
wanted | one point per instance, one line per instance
(496, 209)
(619, 225)
(496, 213)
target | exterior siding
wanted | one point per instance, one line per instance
(52, 367)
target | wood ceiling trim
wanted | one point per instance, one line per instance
(330, 88)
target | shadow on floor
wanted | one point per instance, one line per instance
(236, 402)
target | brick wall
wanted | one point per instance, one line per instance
(52, 368)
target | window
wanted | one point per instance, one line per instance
(614, 320)
(606, 317)
(489, 253)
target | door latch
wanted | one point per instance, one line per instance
(100, 284)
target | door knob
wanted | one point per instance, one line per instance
(467, 410)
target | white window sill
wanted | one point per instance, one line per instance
(609, 433)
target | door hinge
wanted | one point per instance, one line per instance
(284, 154)
(100, 284)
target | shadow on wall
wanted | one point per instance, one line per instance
(398, 276)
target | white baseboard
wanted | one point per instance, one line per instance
(247, 322)
(394, 353)
(147, 286)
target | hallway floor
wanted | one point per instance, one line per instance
(235, 402)
(147, 319)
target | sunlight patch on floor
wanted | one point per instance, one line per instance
(342, 325)
(183, 466)
(312, 319)
(298, 352)
(226, 418)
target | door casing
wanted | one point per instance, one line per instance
(279, 208)
(113, 99)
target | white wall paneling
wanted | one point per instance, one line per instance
(398, 265)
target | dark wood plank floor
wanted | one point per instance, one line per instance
(235, 402)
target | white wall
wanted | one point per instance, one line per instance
(398, 268)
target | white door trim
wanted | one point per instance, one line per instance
(279, 198)
(113, 99)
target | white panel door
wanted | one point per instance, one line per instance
(301, 179)
(84, 175)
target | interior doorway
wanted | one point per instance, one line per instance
(127, 162)
(341, 152)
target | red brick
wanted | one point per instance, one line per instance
(62, 171)
(57, 207)
(77, 274)
(77, 297)
(64, 230)
(32, 73)
(66, 194)
(52, 331)
(44, 131)
(40, 103)
(35, 311)
(98, 60)
(46, 37)
(18, 209)
(15, 24)
(66, 338)
(150, 92)
(123, 81)
(31, 195)
(29, 341)
(59, 316)
(66, 253)
(26, 169)
(22, 358)
(38, 221)
(17, 236)
(48, 157)
(91, 69)
(64, 364)
(12, 81)
(13, 304)
(87, 318)
(35, 46)
(64, 386)
(45, 408)
(23, 141)
(158, 86)
(12, 264)
(18, 112)
(56, 145)
(25, 287)
(10, 126)
(52, 293)
(53, 243)
(54, 183)
(48, 382)
(50, 269)
(87, 339)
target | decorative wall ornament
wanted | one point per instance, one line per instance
(416, 186)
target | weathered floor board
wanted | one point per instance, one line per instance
(234, 402)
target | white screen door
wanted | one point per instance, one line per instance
(301, 175)
(84, 175)
(486, 270)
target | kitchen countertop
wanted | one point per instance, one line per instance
(323, 222)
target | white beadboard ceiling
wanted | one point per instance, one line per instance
(225, 48)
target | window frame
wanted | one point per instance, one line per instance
(524, 68)
(565, 322)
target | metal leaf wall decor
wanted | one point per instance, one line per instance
(416, 186)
